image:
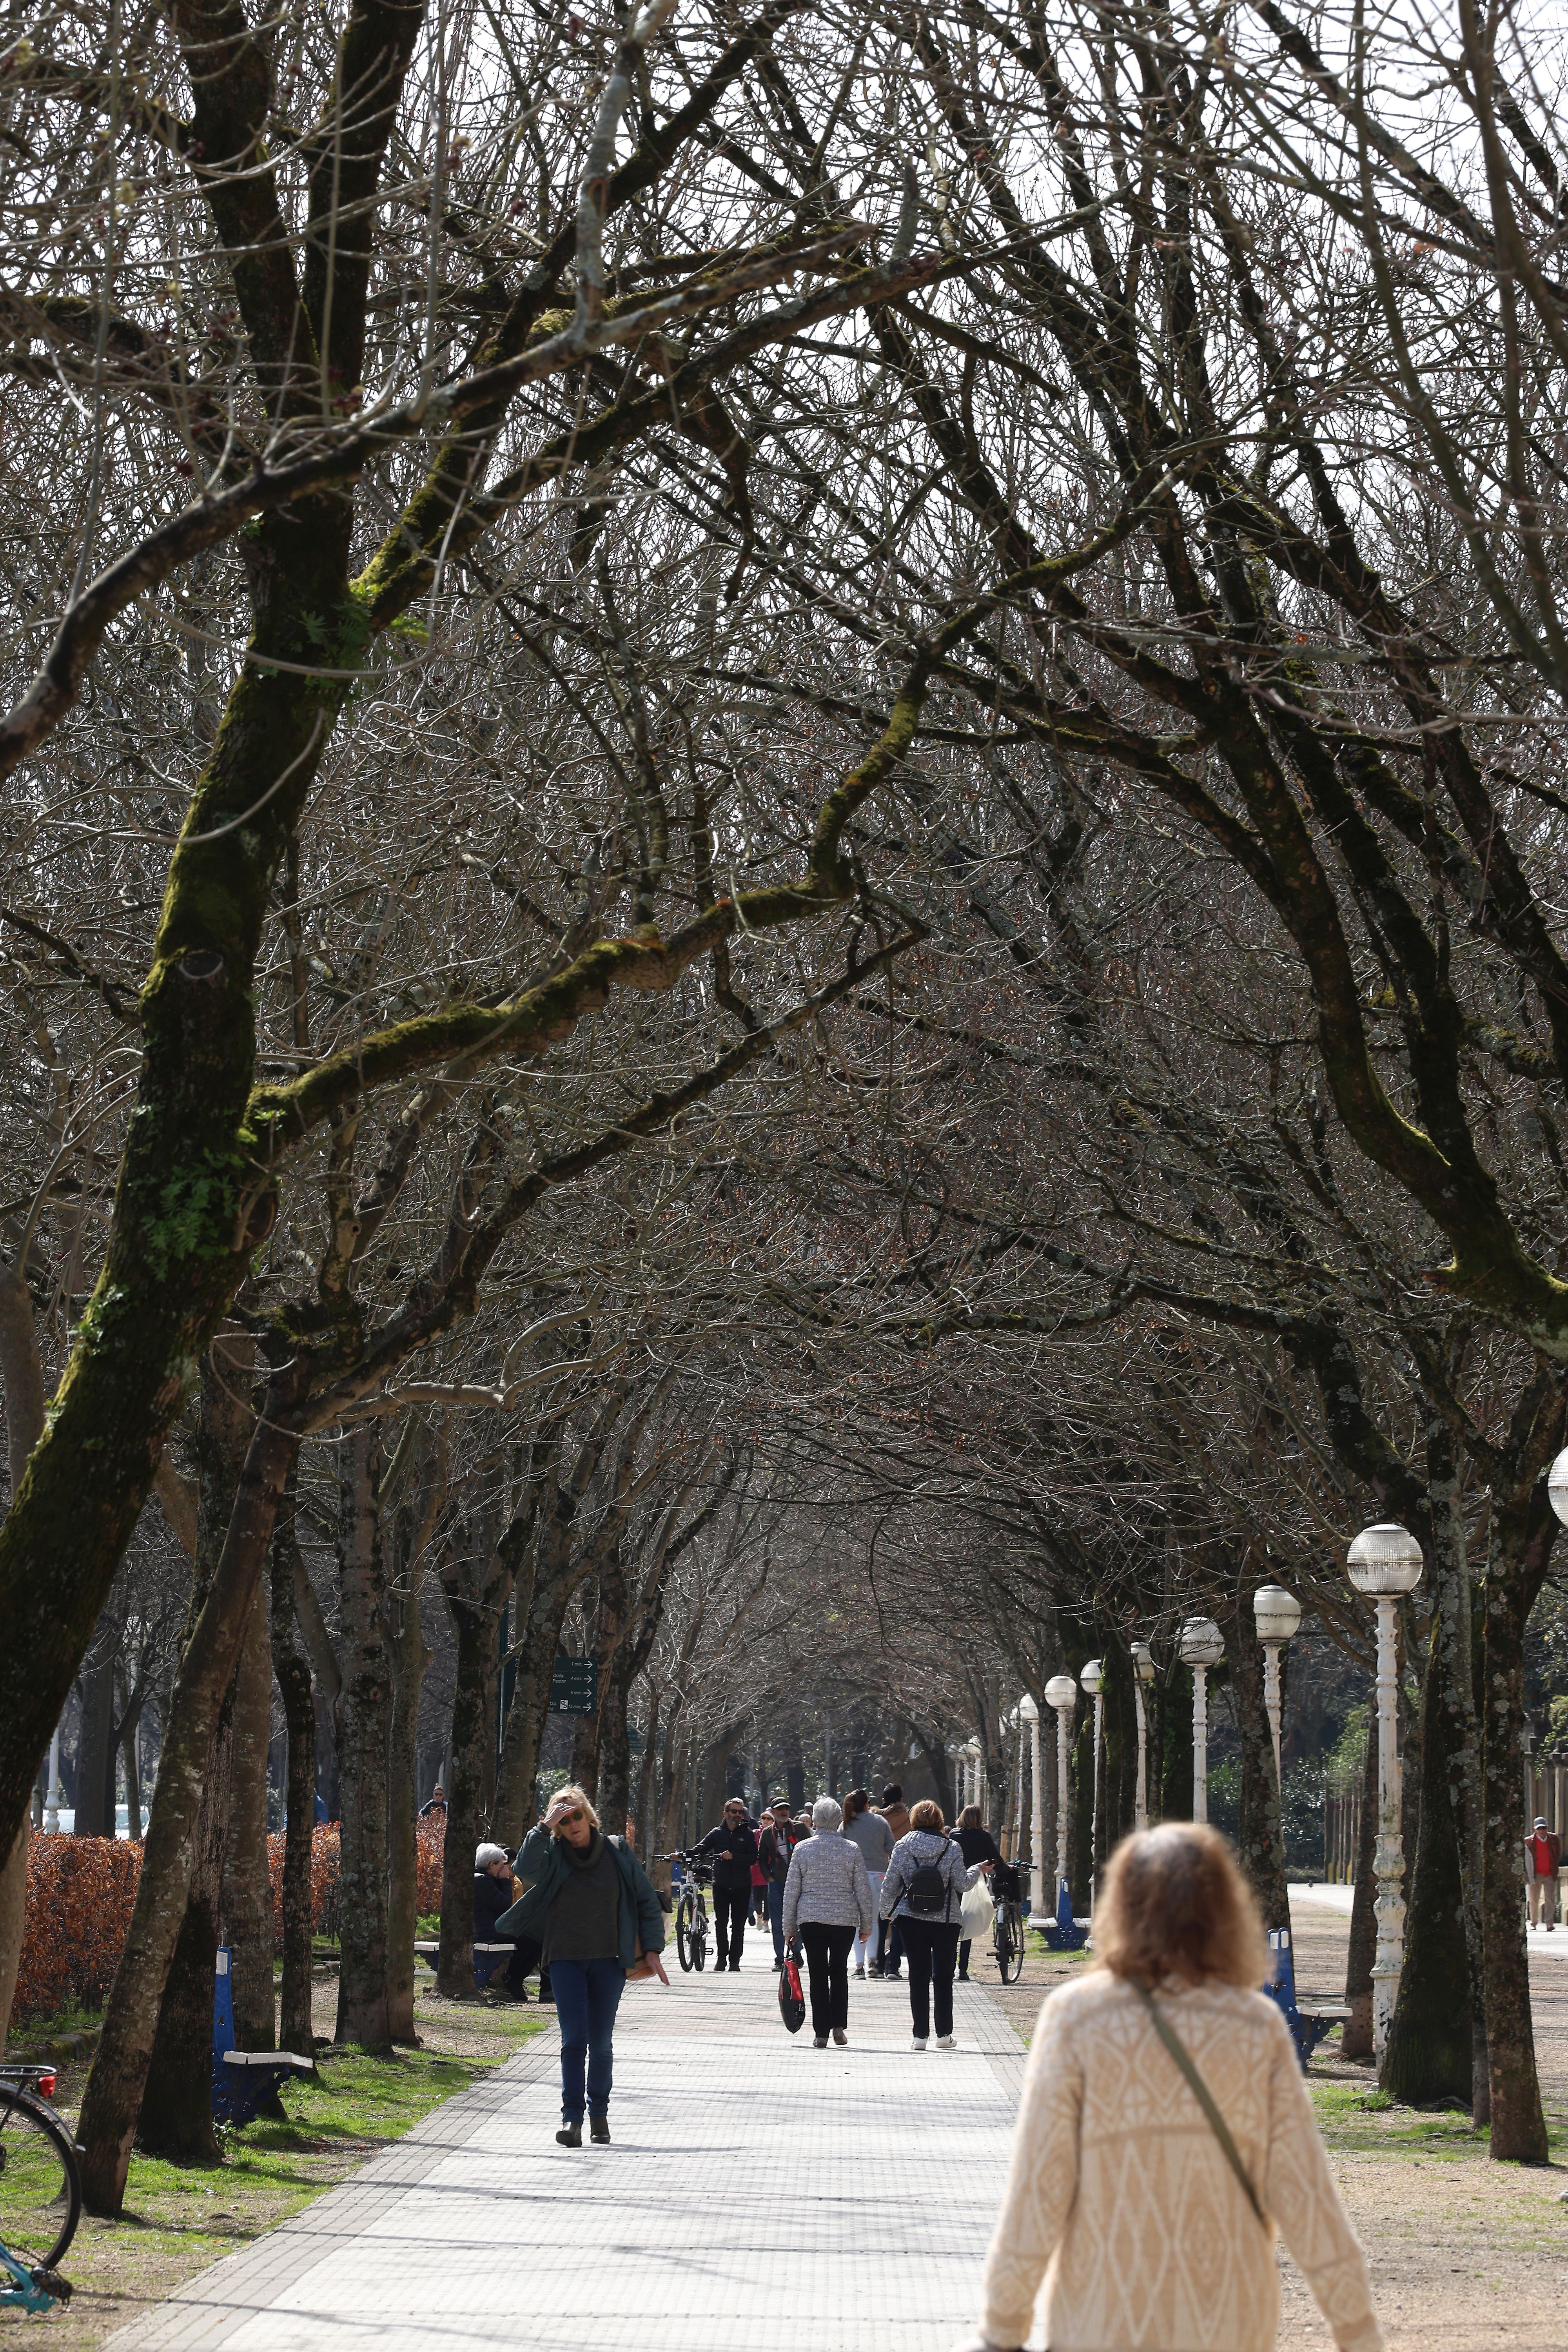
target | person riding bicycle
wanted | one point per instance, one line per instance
(975, 1843)
(779, 1839)
(733, 1844)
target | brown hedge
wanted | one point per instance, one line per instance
(81, 1891)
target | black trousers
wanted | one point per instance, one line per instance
(731, 1905)
(930, 1950)
(827, 1960)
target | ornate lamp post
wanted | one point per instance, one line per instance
(1092, 1681)
(1143, 1675)
(1385, 1562)
(1203, 1647)
(1278, 1614)
(52, 1802)
(1061, 1695)
(1030, 1713)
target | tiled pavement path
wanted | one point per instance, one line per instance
(757, 2193)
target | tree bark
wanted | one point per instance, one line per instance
(363, 2011)
(410, 1657)
(95, 1748)
(22, 1386)
(1523, 1529)
(1355, 2039)
(119, 2077)
(472, 1705)
(247, 1897)
(175, 2118)
(296, 2030)
(1432, 2044)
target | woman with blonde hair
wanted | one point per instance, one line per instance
(591, 1904)
(1165, 2132)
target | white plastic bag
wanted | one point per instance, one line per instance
(975, 1916)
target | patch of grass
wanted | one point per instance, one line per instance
(179, 2218)
(1356, 2121)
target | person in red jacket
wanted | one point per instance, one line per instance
(1543, 1857)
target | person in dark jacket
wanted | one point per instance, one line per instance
(732, 1843)
(493, 1894)
(592, 1904)
(779, 1839)
(975, 1843)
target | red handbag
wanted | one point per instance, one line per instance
(792, 1999)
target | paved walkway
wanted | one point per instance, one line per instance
(757, 2193)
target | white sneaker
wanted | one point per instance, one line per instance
(918, 2043)
(946, 2041)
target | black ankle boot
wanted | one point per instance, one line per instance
(599, 2129)
(570, 2135)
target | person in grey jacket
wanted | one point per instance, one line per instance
(923, 1890)
(826, 1898)
(870, 1832)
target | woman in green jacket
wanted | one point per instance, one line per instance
(591, 1904)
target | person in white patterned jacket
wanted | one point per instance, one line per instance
(1166, 2134)
(826, 1900)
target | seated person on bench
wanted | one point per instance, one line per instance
(494, 1894)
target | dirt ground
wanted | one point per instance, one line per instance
(1466, 2255)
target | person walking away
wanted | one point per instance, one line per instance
(732, 1843)
(924, 1889)
(827, 1897)
(1150, 2218)
(1543, 1859)
(777, 1843)
(975, 1843)
(870, 1832)
(890, 1942)
(494, 1893)
(591, 1906)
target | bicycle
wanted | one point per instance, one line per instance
(1007, 1932)
(40, 2190)
(691, 1911)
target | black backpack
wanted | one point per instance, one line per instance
(926, 1893)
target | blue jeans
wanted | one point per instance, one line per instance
(587, 1995)
(775, 1915)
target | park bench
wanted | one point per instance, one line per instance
(246, 2082)
(429, 1951)
(1307, 2022)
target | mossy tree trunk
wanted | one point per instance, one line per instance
(1355, 2038)
(473, 1721)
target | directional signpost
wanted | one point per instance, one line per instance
(574, 1686)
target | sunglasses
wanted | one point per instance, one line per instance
(567, 1820)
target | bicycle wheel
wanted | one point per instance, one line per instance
(41, 2187)
(685, 1926)
(1010, 1941)
(700, 1934)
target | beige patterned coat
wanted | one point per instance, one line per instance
(1122, 2198)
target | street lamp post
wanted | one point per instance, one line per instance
(976, 1755)
(1030, 1713)
(1203, 1647)
(1061, 1696)
(1143, 1675)
(1278, 1614)
(1092, 1680)
(52, 1802)
(1385, 1562)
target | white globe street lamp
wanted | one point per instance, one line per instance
(1061, 1693)
(1203, 1647)
(1092, 1681)
(1278, 1613)
(1385, 1562)
(1030, 1713)
(1143, 1675)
